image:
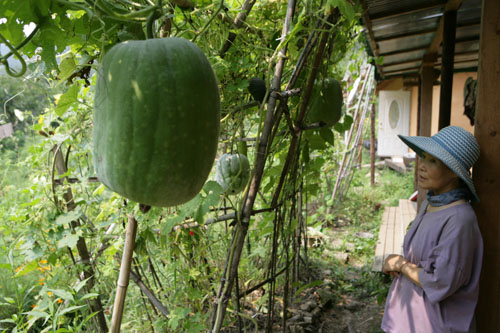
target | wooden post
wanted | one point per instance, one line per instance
(415, 171)
(428, 76)
(448, 58)
(372, 146)
(486, 173)
(124, 277)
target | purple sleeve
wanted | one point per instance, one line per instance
(450, 261)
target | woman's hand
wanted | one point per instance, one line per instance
(392, 264)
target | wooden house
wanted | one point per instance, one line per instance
(430, 48)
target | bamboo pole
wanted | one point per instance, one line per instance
(241, 228)
(343, 169)
(359, 130)
(349, 135)
(124, 277)
(303, 108)
(372, 146)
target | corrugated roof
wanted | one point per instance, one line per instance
(402, 32)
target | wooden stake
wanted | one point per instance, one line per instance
(123, 279)
(372, 146)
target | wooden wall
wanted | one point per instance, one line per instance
(486, 173)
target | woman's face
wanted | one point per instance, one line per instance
(435, 175)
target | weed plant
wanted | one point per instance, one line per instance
(355, 225)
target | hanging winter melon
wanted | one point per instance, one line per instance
(232, 172)
(326, 102)
(156, 120)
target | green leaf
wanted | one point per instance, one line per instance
(169, 224)
(67, 100)
(80, 285)
(67, 66)
(327, 135)
(52, 259)
(9, 300)
(344, 126)
(316, 142)
(190, 207)
(345, 8)
(309, 285)
(19, 114)
(68, 217)
(7, 321)
(71, 309)
(63, 294)
(98, 191)
(90, 295)
(213, 191)
(176, 315)
(42, 7)
(68, 240)
(28, 268)
(38, 314)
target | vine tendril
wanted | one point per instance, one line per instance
(13, 51)
(151, 20)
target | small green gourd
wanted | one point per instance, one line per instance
(232, 173)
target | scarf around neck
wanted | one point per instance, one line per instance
(448, 197)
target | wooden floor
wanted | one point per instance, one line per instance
(395, 222)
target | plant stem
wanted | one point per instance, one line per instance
(151, 20)
(123, 279)
(81, 245)
(205, 27)
(13, 50)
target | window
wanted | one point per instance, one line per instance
(394, 114)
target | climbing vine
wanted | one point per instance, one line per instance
(197, 265)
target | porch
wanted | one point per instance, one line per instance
(395, 222)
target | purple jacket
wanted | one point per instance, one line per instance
(448, 246)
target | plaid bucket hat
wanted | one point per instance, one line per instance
(452, 145)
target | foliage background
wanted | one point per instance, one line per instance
(42, 286)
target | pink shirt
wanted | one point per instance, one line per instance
(448, 246)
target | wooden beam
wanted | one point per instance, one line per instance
(403, 62)
(408, 50)
(428, 75)
(418, 6)
(486, 173)
(448, 57)
(373, 44)
(402, 74)
(427, 80)
(467, 39)
(412, 69)
(428, 31)
(461, 61)
(438, 37)
(405, 34)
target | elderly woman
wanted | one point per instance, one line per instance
(436, 283)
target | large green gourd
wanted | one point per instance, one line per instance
(327, 101)
(156, 120)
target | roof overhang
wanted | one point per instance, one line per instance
(408, 33)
